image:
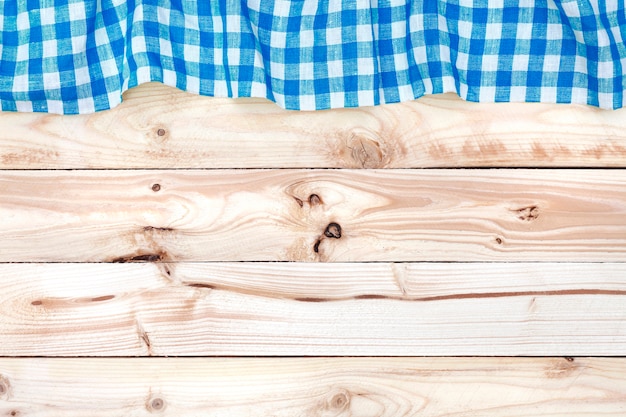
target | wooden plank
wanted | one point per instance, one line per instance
(313, 215)
(380, 387)
(251, 309)
(161, 127)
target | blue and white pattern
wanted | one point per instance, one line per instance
(79, 56)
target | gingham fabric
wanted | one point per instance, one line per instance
(79, 56)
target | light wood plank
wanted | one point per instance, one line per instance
(363, 387)
(313, 215)
(546, 309)
(161, 127)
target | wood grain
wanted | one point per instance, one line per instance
(380, 387)
(251, 309)
(161, 127)
(313, 215)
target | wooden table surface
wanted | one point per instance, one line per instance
(184, 256)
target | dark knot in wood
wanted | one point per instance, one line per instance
(333, 230)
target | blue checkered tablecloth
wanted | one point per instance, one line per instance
(79, 56)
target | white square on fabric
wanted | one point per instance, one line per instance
(580, 64)
(520, 62)
(138, 44)
(79, 44)
(49, 48)
(51, 80)
(493, 31)
(333, 36)
(191, 22)
(46, 15)
(169, 77)
(554, 32)
(23, 52)
(366, 98)
(143, 74)
(307, 102)
(465, 29)
(490, 62)
(335, 69)
(277, 69)
(165, 47)
(233, 23)
(518, 93)
(606, 69)
(605, 100)
(101, 37)
(24, 106)
(487, 93)
(337, 99)
(82, 75)
(23, 21)
(86, 105)
(218, 26)
(419, 53)
(193, 84)
(109, 68)
(405, 92)
(77, 11)
(398, 29)
(163, 15)
(114, 98)
(234, 56)
(548, 94)
(444, 52)
(462, 60)
(55, 106)
(280, 99)
(427, 83)
(400, 62)
(281, 8)
(254, 5)
(334, 6)
(306, 71)
(551, 63)
(603, 38)
(449, 84)
(278, 39)
(192, 53)
(307, 38)
(258, 89)
(524, 31)
(366, 66)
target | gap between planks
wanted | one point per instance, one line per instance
(294, 309)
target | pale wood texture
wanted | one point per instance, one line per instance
(383, 387)
(147, 299)
(161, 127)
(313, 309)
(287, 215)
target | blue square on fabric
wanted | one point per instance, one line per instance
(534, 78)
(321, 85)
(480, 14)
(292, 55)
(508, 46)
(510, 15)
